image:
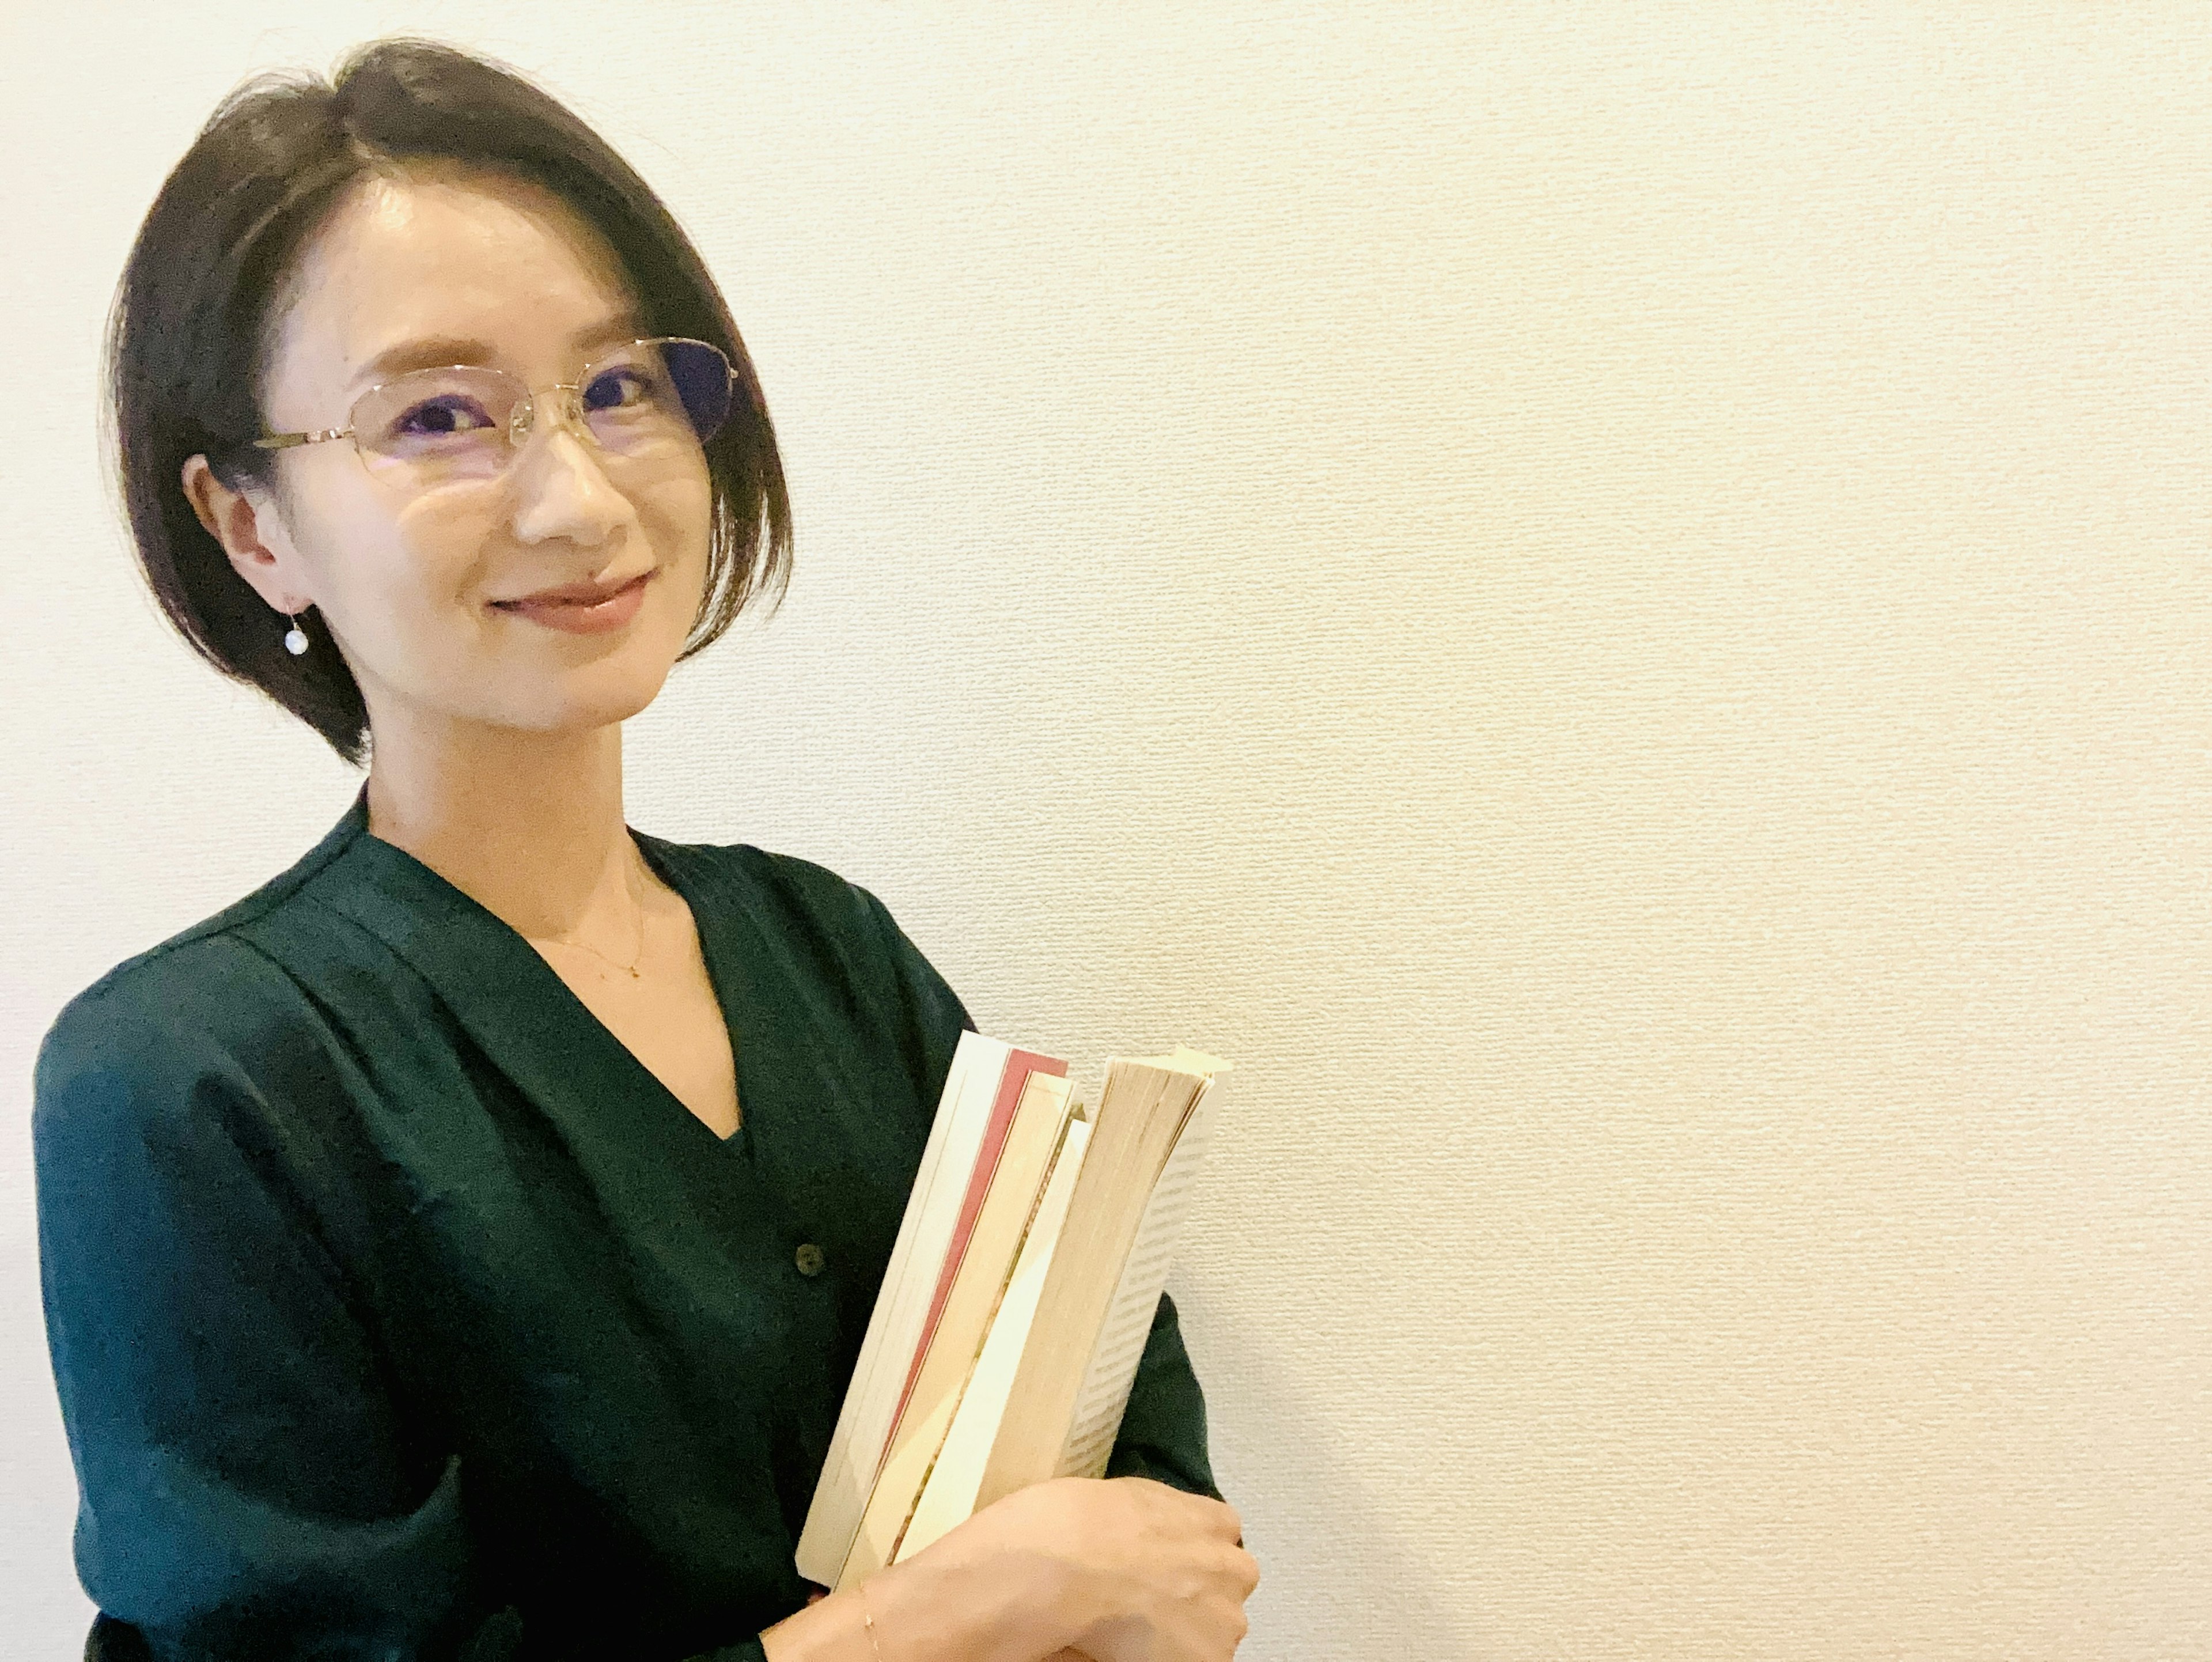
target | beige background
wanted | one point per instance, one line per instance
(1613, 601)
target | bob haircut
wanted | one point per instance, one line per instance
(188, 337)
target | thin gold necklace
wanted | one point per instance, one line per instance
(636, 958)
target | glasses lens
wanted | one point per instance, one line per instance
(436, 425)
(655, 391)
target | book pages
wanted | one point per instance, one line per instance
(1104, 1393)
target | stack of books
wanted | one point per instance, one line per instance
(1018, 1299)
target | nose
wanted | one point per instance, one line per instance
(560, 489)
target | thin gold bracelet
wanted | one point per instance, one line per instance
(868, 1623)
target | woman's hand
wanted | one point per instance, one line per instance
(1077, 1569)
(1127, 1569)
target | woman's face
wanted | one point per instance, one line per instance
(459, 267)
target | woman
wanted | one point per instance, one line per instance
(458, 1247)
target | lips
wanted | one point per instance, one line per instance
(579, 594)
(603, 611)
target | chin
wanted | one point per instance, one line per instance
(590, 698)
(615, 706)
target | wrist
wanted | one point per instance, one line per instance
(951, 1610)
(831, 1629)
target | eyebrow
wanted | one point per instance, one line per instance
(443, 351)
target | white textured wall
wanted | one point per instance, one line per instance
(1613, 601)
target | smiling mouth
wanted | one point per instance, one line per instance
(528, 603)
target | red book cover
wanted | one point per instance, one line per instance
(1020, 1064)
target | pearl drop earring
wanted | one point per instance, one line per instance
(295, 640)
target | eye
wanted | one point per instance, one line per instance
(448, 414)
(624, 388)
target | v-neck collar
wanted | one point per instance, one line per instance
(526, 1019)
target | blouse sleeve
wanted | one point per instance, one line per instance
(245, 1488)
(1163, 1433)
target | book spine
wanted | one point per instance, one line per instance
(841, 1495)
(934, 1393)
(1013, 1082)
(949, 1487)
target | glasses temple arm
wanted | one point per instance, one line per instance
(286, 440)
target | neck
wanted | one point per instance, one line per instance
(528, 825)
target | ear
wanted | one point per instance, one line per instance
(253, 533)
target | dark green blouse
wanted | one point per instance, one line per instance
(399, 1311)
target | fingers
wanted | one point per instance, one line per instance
(1222, 1518)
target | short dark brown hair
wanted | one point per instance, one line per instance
(192, 316)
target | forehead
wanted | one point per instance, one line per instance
(444, 255)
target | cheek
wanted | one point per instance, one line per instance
(677, 509)
(675, 513)
(433, 553)
(400, 568)
(356, 539)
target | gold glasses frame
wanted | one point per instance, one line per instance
(524, 414)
